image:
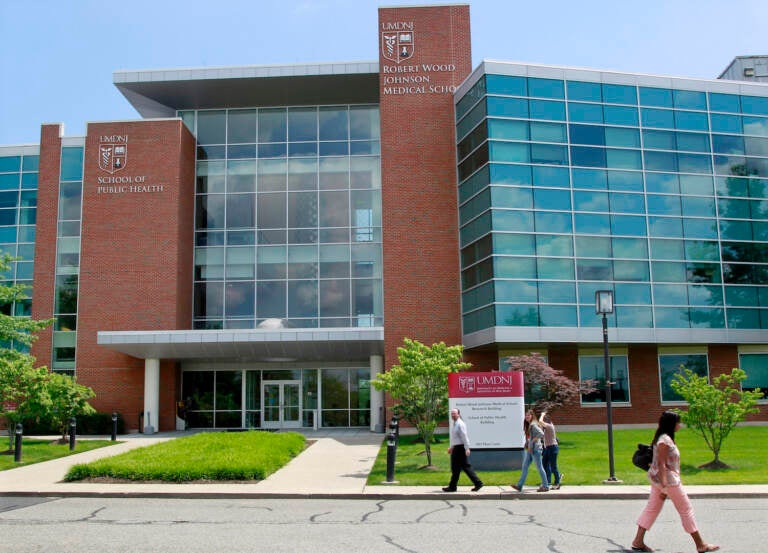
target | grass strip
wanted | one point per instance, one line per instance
(584, 460)
(251, 455)
(37, 451)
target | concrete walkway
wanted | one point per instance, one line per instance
(335, 466)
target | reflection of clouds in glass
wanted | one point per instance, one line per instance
(271, 324)
(756, 126)
(334, 209)
(554, 245)
(306, 293)
(302, 299)
(756, 146)
(664, 205)
(364, 123)
(334, 298)
(302, 124)
(239, 299)
(333, 123)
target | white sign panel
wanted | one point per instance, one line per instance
(492, 405)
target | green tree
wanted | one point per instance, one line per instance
(68, 399)
(715, 409)
(546, 388)
(16, 333)
(23, 392)
(419, 385)
(22, 387)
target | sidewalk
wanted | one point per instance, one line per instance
(336, 466)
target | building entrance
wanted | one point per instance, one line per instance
(282, 404)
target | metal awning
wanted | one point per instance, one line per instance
(266, 345)
(160, 92)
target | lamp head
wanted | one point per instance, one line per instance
(604, 302)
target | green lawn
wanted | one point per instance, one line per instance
(254, 455)
(249, 455)
(584, 460)
(37, 451)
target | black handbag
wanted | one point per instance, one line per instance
(643, 457)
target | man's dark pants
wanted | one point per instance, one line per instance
(459, 462)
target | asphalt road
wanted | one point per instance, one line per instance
(62, 525)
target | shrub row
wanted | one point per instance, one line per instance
(97, 423)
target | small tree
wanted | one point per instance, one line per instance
(23, 392)
(22, 387)
(419, 384)
(546, 388)
(714, 409)
(16, 333)
(68, 399)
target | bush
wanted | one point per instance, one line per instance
(95, 424)
(39, 428)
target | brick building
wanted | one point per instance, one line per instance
(256, 248)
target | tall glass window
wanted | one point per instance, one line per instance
(67, 259)
(288, 218)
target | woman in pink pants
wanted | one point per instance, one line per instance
(664, 475)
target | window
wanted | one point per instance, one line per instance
(672, 364)
(756, 367)
(592, 367)
(335, 397)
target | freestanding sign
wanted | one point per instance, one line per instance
(492, 405)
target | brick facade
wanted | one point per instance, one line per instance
(418, 171)
(136, 256)
(136, 261)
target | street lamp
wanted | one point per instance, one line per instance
(604, 307)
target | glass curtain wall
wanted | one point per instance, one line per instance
(567, 187)
(18, 213)
(288, 217)
(67, 259)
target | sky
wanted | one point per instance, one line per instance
(57, 57)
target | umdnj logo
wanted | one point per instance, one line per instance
(113, 153)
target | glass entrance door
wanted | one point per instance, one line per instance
(281, 400)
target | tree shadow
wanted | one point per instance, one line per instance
(708, 467)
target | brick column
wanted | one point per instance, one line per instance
(44, 279)
(424, 53)
(136, 257)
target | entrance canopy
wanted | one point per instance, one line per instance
(283, 345)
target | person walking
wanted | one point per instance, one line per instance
(534, 447)
(551, 451)
(459, 452)
(664, 476)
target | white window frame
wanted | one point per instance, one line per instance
(678, 350)
(613, 352)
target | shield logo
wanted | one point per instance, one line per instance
(397, 46)
(112, 157)
(467, 384)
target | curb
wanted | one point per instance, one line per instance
(375, 495)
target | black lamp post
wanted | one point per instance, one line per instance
(604, 307)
